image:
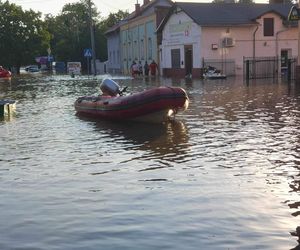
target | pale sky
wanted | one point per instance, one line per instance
(104, 6)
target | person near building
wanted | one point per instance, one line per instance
(134, 69)
(140, 68)
(153, 67)
(146, 68)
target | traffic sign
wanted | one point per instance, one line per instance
(87, 52)
(294, 14)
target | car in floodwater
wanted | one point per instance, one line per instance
(32, 68)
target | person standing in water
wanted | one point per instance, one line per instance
(146, 68)
(153, 67)
(140, 68)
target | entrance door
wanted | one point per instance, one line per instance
(188, 58)
(285, 55)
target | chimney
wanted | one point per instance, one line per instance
(146, 2)
(137, 8)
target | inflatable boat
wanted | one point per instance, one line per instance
(154, 105)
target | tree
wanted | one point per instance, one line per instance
(24, 35)
(103, 26)
(70, 31)
(114, 18)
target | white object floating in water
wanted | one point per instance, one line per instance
(7, 107)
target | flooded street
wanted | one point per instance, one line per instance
(224, 175)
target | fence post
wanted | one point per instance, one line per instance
(247, 70)
(289, 70)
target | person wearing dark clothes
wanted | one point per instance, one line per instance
(140, 68)
(146, 69)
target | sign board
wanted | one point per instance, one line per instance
(74, 68)
(87, 52)
(294, 14)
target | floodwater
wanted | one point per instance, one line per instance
(224, 175)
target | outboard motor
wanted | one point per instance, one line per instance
(110, 87)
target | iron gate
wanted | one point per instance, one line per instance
(269, 67)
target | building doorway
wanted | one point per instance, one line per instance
(285, 55)
(188, 58)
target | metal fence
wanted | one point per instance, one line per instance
(227, 66)
(269, 67)
(261, 67)
(291, 71)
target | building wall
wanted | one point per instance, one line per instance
(213, 44)
(114, 55)
(208, 42)
(138, 41)
(265, 46)
(284, 38)
(180, 31)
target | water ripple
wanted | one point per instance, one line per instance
(224, 175)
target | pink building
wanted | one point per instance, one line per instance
(222, 35)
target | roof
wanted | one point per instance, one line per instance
(133, 15)
(114, 28)
(216, 14)
(145, 7)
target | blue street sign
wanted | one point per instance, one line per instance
(87, 52)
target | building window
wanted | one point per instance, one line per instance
(149, 48)
(135, 50)
(142, 49)
(268, 26)
(175, 58)
(124, 52)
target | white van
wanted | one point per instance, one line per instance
(74, 68)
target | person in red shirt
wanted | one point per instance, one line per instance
(153, 67)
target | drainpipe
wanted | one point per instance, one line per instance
(298, 60)
(253, 64)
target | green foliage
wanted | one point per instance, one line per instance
(71, 31)
(103, 26)
(114, 18)
(24, 35)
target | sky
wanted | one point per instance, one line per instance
(104, 6)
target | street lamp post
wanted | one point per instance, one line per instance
(92, 37)
(298, 59)
(294, 15)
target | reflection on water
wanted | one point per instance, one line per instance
(224, 175)
(164, 141)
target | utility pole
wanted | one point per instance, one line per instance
(92, 37)
(298, 59)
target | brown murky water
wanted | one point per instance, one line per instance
(224, 175)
